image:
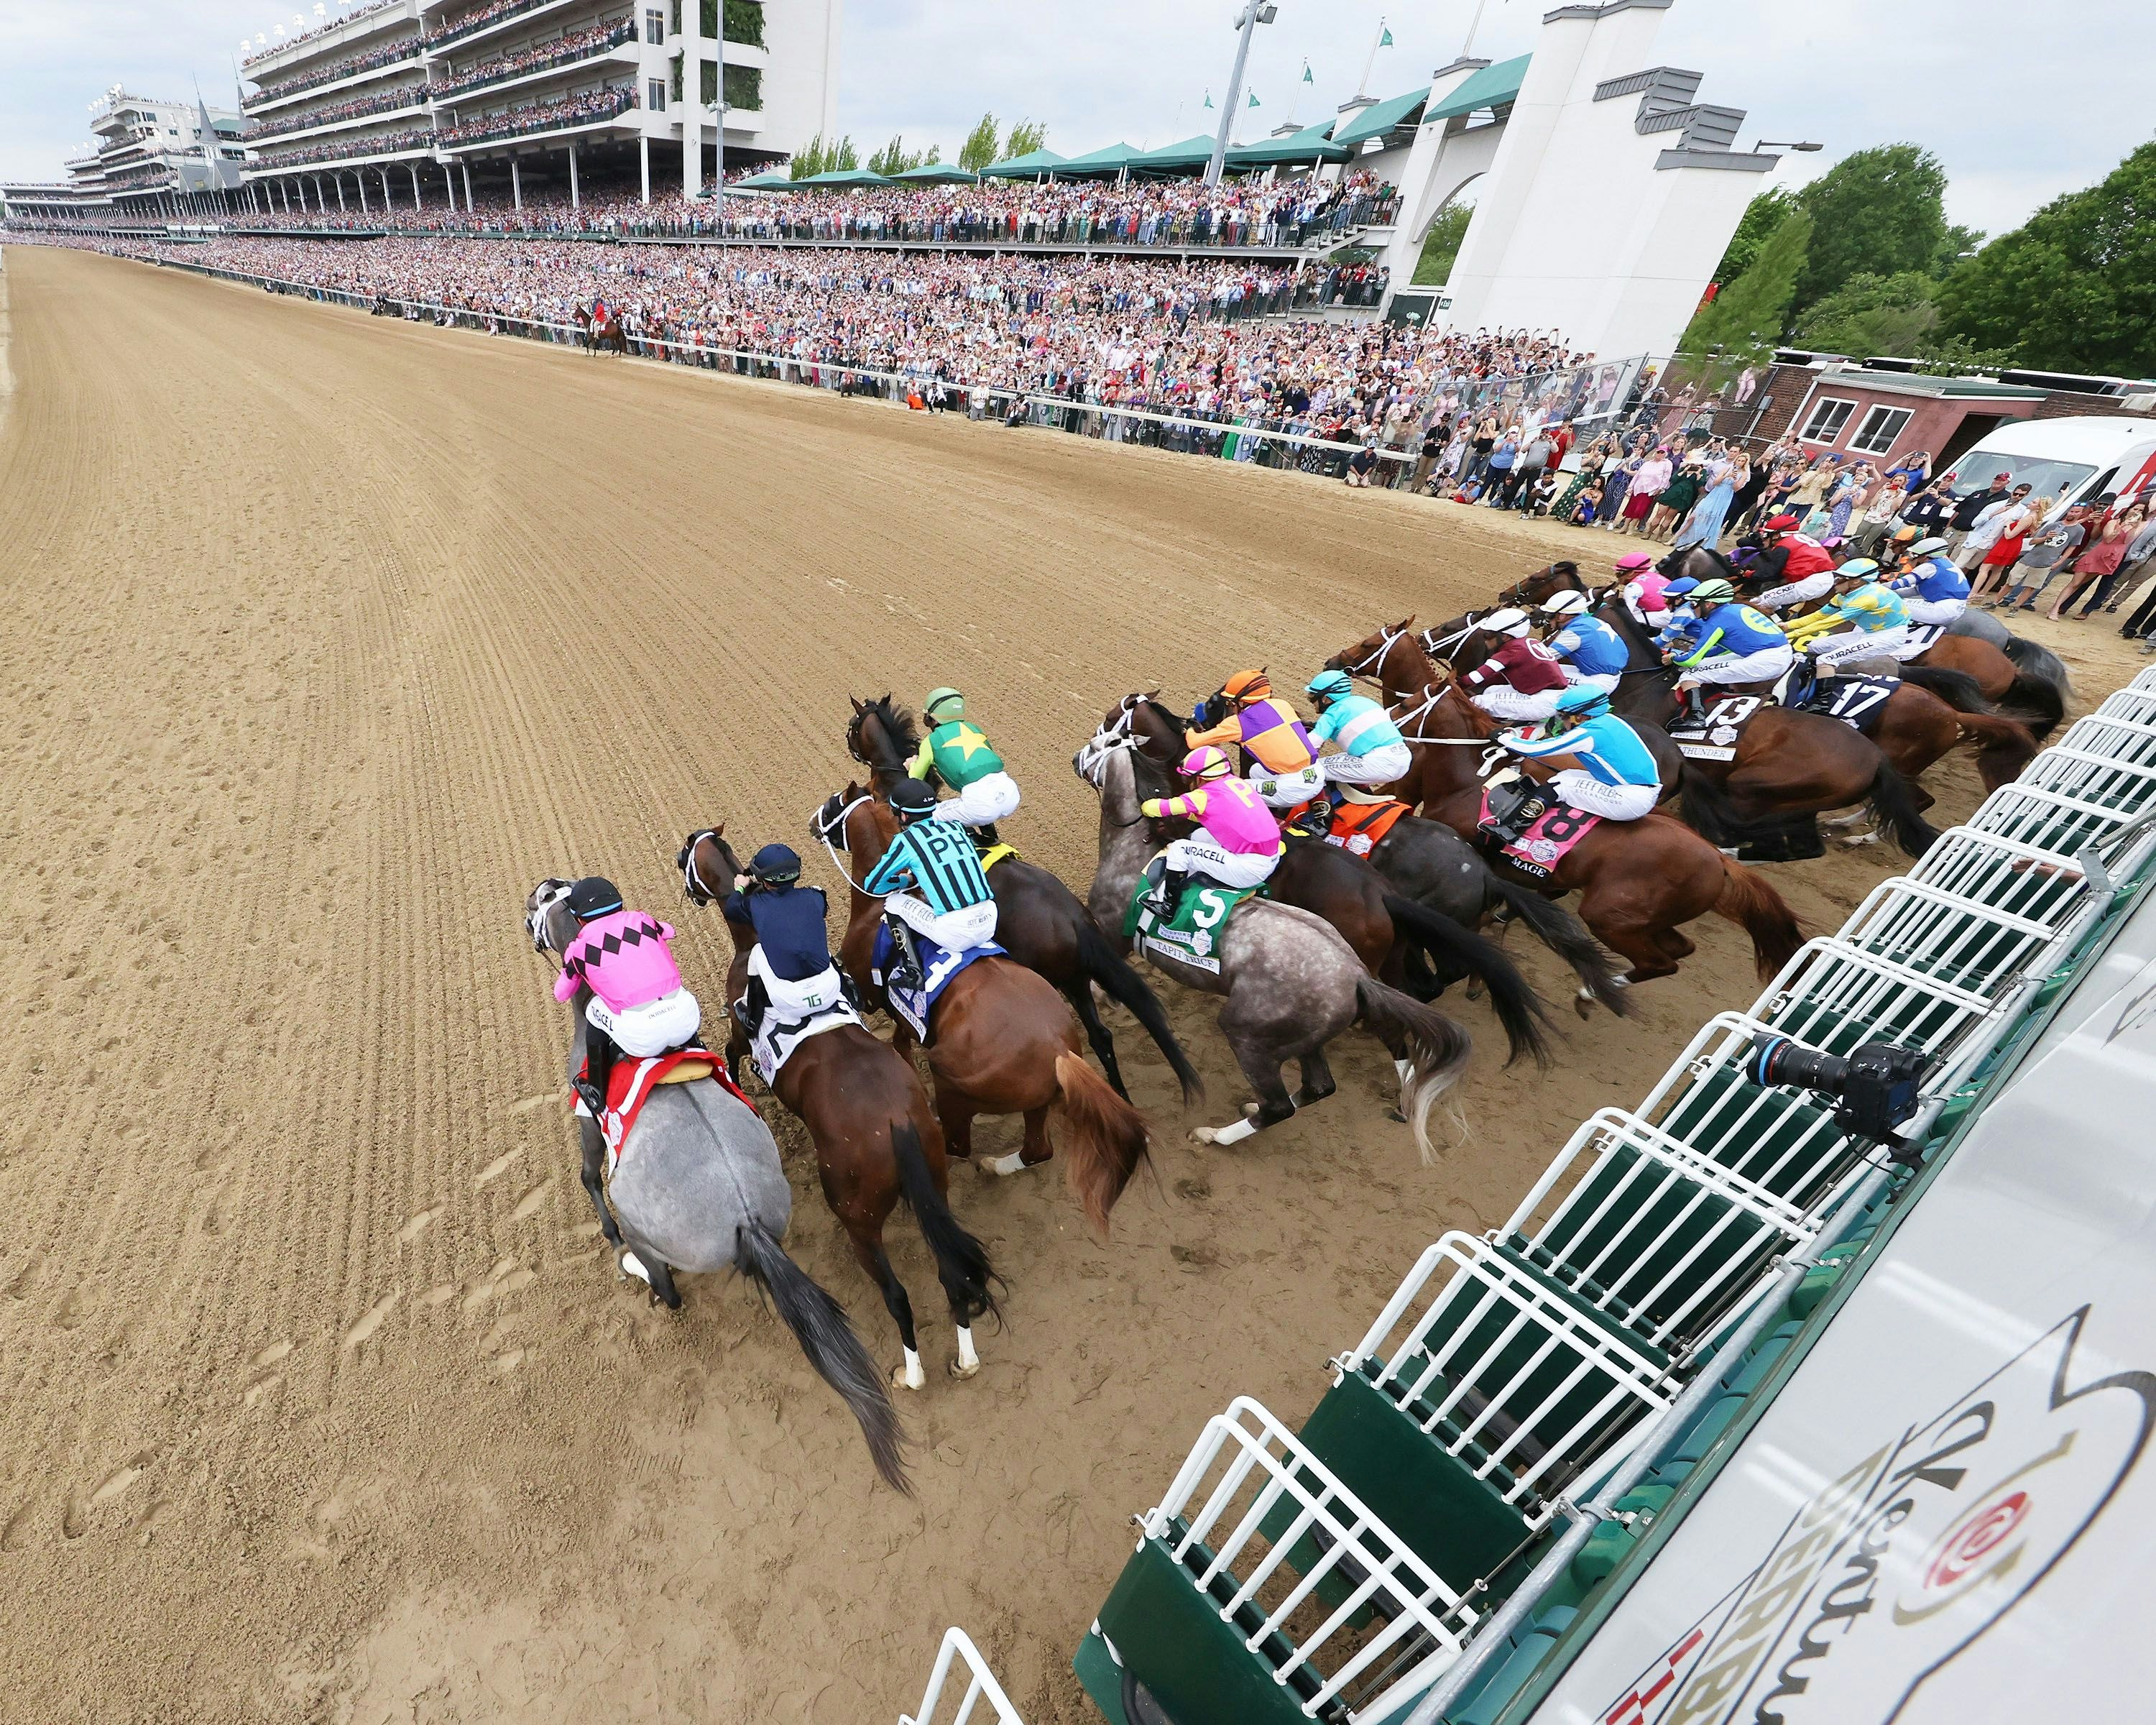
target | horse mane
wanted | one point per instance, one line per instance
(896, 723)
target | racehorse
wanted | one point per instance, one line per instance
(1638, 880)
(1291, 983)
(877, 1140)
(1039, 919)
(1441, 889)
(697, 1188)
(1003, 1041)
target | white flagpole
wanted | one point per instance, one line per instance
(1480, 6)
(1370, 60)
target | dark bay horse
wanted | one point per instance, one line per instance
(1039, 919)
(878, 1142)
(1002, 1041)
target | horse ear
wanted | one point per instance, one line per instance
(859, 708)
(719, 830)
(1406, 623)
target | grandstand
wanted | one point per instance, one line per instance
(147, 155)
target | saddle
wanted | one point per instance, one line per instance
(1360, 828)
(1531, 826)
(1191, 932)
(631, 1082)
(1858, 702)
(1713, 736)
(939, 967)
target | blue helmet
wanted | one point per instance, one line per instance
(1329, 686)
(1679, 587)
(775, 865)
(1582, 700)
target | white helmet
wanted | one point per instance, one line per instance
(1506, 622)
(1927, 547)
(1571, 603)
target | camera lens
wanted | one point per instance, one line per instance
(1778, 1061)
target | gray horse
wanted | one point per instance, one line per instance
(1291, 982)
(698, 1188)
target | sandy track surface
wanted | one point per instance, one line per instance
(330, 636)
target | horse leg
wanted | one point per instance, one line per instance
(1035, 1150)
(1260, 1058)
(956, 1111)
(637, 1260)
(875, 1262)
(593, 1173)
(1318, 1081)
(1082, 1002)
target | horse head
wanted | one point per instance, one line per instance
(882, 736)
(707, 857)
(546, 919)
(1367, 657)
(1532, 589)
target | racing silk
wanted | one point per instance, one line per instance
(1357, 724)
(789, 927)
(1609, 748)
(1798, 555)
(1644, 593)
(1525, 664)
(1269, 729)
(1733, 628)
(1231, 812)
(936, 859)
(623, 958)
(1935, 580)
(1597, 649)
(958, 752)
(1870, 607)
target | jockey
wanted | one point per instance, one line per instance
(1865, 618)
(1523, 679)
(1794, 568)
(1933, 590)
(1283, 762)
(1593, 652)
(637, 1006)
(1599, 763)
(790, 961)
(951, 902)
(1238, 843)
(960, 755)
(1725, 643)
(1644, 586)
(1371, 749)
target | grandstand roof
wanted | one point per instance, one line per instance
(776, 179)
(1111, 160)
(1194, 151)
(1379, 118)
(1022, 167)
(937, 174)
(1489, 88)
(844, 176)
(1310, 143)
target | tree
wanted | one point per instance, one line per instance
(1746, 319)
(1441, 245)
(979, 149)
(1879, 212)
(1026, 136)
(1762, 217)
(2074, 288)
(895, 158)
(822, 157)
(1870, 315)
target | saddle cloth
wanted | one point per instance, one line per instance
(631, 1082)
(1714, 737)
(1538, 852)
(1192, 936)
(799, 1010)
(1858, 702)
(916, 1006)
(1922, 638)
(1360, 828)
(991, 854)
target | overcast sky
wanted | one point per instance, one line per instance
(2020, 101)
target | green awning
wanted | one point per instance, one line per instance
(1191, 152)
(1310, 143)
(1379, 118)
(844, 176)
(1491, 87)
(1024, 167)
(775, 179)
(937, 174)
(1114, 159)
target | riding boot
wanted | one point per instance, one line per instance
(599, 1054)
(1167, 893)
(906, 971)
(985, 836)
(754, 1003)
(1695, 704)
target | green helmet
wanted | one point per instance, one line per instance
(1713, 592)
(1329, 686)
(939, 699)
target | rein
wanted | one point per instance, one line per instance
(1372, 661)
(839, 824)
(692, 882)
(1415, 715)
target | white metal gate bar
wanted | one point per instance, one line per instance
(2055, 820)
(1937, 932)
(2135, 707)
(2112, 736)
(1837, 997)
(1996, 873)
(981, 1685)
(2145, 679)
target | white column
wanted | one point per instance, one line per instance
(644, 161)
(516, 184)
(691, 104)
(575, 201)
(361, 176)
(340, 186)
(414, 167)
(466, 166)
(387, 206)
(449, 182)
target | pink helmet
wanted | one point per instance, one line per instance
(1205, 763)
(1633, 562)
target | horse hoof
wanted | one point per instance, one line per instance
(1249, 1110)
(1013, 1164)
(1396, 1117)
(1583, 1003)
(963, 1372)
(627, 1264)
(909, 1375)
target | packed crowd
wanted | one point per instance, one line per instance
(576, 45)
(411, 96)
(345, 148)
(321, 29)
(541, 116)
(478, 18)
(383, 54)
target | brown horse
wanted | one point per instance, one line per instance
(1638, 880)
(1039, 919)
(877, 1140)
(1001, 1041)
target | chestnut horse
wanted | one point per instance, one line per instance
(1001, 1041)
(1638, 880)
(877, 1140)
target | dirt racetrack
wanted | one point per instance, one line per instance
(329, 636)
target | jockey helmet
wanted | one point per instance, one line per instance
(1680, 587)
(1717, 592)
(1507, 622)
(594, 895)
(912, 798)
(1857, 569)
(1582, 700)
(1568, 603)
(1927, 547)
(1778, 524)
(1633, 562)
(943, 705)
(1329, 686)
(1905, 535)
(775, 865)
(1247, 686)
(1205, 763)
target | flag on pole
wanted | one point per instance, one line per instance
(1208, 98)
(1254, 99)
(1384, 37)
(1306, 78)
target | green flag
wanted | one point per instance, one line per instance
(1254, 99)
(1384, 37)
(1208, 98)
(1306, 78)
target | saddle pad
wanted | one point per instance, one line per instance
(916, 1006)
(1193, 936)
(995, 854)
(776, 1038)
(1538, 852)
(1858, 702)
(631, 1082)
(1361, 828)
(1922, 638)
(1714, 737)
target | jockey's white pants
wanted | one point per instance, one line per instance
(1612, 802)
(1386, 764)
(1797, 592)
(1197, 854)
(992, 797)
(1845, 645)
(1938, 612)
(651, 1028)
(954, 930)
(1762, 666)
(1606, 681)
(1516, 706)
(792, 1001)
(1286, 790)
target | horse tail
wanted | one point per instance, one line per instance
(819, 1324)
(1754, 906)
(1107, 1140)
(1565, 935)
(1512, 997)
(2033, 659)
(1437, 1050)
(2037, 697)
(1958, 689)
(962, 1261)
(1707, 811)
(2008, 746)
(1896, 803)
(1120, 982)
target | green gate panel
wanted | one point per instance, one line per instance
(1172, 1637)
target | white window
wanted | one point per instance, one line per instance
(655, 26)
(1827, 419)
(655, 95)
(1881, 427)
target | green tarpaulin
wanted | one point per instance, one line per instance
(1024, 167)
(937, 174)
(1112, 160)
(1310, 143)
(1379, 118)
(844, 176)
(1491, 87)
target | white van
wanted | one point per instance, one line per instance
(2074, 460)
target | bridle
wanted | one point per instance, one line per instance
(1371, 662)
(548, 895)
(692, 881)
(823, 830)
(1114, 738)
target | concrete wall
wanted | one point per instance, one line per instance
(801, 84)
